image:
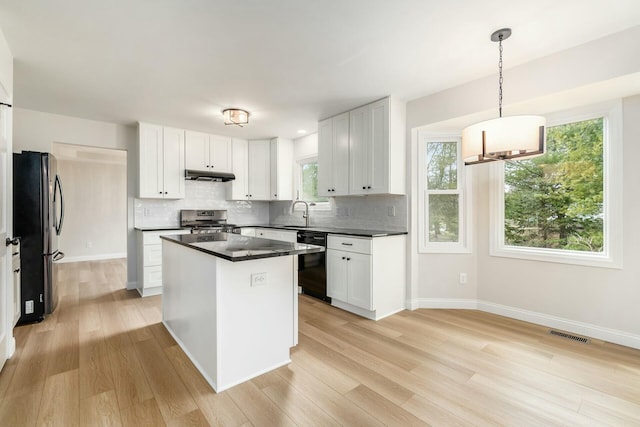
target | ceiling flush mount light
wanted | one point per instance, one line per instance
(235, 116)
(505, 137)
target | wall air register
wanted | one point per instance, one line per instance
(193, 175)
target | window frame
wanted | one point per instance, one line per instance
(464, 244)
(611, 256)
(313, 206)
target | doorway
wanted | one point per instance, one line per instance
(95, 188)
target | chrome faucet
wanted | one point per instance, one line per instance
(305, 215)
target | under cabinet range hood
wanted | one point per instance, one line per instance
(194, 175)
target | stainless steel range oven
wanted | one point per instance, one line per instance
(205, 221)
(312, 268)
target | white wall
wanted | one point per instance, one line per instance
(599, 302)
(304, 147)
(6, 66)
(37, 131)
(95, 224)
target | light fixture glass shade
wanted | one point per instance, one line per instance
(503, 138)
(235, 116)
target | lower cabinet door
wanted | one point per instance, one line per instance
(359, 279)
(152, 276)
(337, 275)
(152, 255)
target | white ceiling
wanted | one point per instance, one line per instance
(289, 62)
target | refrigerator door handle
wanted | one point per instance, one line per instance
(58, 188)
(58, 256)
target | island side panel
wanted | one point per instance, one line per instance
(189, 305)
(256, 317)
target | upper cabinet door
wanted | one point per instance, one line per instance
(378, 150)
(240, 161)
(150, 161)
(359, 150)
(281, 165)
(325, 157)
(220, 153)
(197, 151)
(259, 170)
(341, 155)
(173, 155)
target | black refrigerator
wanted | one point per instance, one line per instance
(38, 214)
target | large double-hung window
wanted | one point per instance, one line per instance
(563, 206)
(444, 206)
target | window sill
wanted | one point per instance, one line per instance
(557, 256)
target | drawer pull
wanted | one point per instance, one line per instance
(347, 244)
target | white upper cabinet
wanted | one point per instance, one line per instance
(281, 169)
(207, 153)
(260, 170)
(161, 162)
(239, 187)
(252, 169)
(220, 153)
(333, 156)
(377, 146)
(371, 140)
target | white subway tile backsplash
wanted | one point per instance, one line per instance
(359, 212)
(199, 195)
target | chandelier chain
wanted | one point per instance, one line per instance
(500, 78)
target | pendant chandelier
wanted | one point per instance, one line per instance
(505, 137)
(235, 116)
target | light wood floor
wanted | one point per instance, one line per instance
(104, 358)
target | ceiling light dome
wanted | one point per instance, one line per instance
(235, 116)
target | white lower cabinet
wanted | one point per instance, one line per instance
(366, 276)
(275, 234)
(150, 260)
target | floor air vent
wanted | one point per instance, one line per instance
(569, 336)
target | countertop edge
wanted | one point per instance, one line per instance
(161, 228)
(329, 230)
(241, 258)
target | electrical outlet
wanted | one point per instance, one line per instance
(391, 211)
(259, 279)
(28, 307)
(463, 278)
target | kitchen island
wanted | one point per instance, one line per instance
(231, 302)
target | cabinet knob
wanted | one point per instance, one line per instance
(275, 195)
(344, 257)
(348, 259)
(160, 192)
(166, 192)
(364, 188)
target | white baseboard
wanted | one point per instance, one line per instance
(581, 328)
(132, 285)
(460, 303)
(97, 257)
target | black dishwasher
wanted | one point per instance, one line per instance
(312, 268)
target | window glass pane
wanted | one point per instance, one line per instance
(442, 165)
(309, 183)
(443, 218)
(556, 200)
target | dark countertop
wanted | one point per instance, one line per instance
(160, 228)
(330, 230)
(234, 247)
